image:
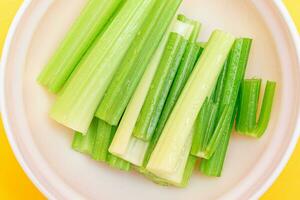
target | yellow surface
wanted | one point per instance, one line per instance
(15, 185)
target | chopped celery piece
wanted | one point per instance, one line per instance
(76, 106)
(214, 166)
(160, 86)
(177, 175)
(188, 171)
(204, 128)
(85, 143)
(115, 161)
(266, 109)
(220, 130)
(124, 145)
(135, 61)
(169, 153)
(102, 141)
(246, 119)
(248, 104)
(89, 24)
(192, 53)
(118, 163)
(234, 74)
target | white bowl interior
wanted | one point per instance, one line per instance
(45, 145)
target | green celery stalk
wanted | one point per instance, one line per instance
(76, 106)
(160, 86)
(247, 108)
(135, 61)
(235, 71)
(115, 161)
(87, 27)
(118, 163)
(266, 108)
(124, 145)
(170, 155)
(102, 141)
(192, 54)
(214, 166)
(204, 128)
(85, 143)
(249, 95)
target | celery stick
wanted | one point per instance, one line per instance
(169, 153)
(247, 108)
(124, 145)
(246, 119)
(88, 25)
(214, 166)
(85, 143)
(192, 53)
(115, 161)
(102, 141)
(235, 70)
(76, 106)
(220, 130)
(135, 62)
(118, 163)
(204, 128)
(266, 109)
(160, 86)
(188, 171)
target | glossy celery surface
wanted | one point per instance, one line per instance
(85, 143)
(192, 54)
(135, 61)
(96, 143)
(235, 71)
(102, 141)
(90, 23)
(160, 86)
(169, 153)
(115, 161)
(246, 122)
(248, 104)
(185, 178)
(76, 106)
(124, 144)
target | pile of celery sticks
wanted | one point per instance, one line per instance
(142, 93)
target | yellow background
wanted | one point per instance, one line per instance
(15, 185)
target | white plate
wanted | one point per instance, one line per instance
(43, 147)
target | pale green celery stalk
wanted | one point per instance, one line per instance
(102, 141)
(192, 54)
(188, 171)
(181, 174)
(76, 106)
(246, 119)
(135, 61)
(115, 161)
(85, 143)
(235, 71)
(248, 104)
(160, 86)
(176, 139)
(124, 145)
(90, 23)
